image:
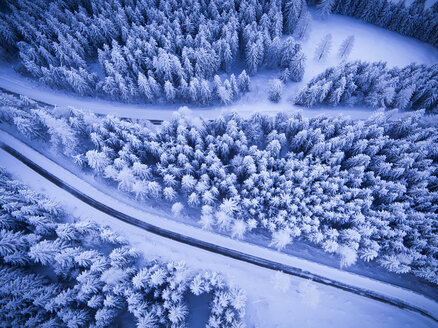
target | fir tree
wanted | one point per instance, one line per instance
(346, 47)
(275, 90)
(325, 7)
(323, 48)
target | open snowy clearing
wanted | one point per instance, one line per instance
(273, 299)
(384, 45)
(224, 265)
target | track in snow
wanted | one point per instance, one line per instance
(231, 253)
(42, 103)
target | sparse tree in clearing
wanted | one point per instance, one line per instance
(348, 256)
(323, 48)
(280, 239)
(281, 281)
(276, 90)
(346, 47)
(177, 208)
(309, 293)
(243, 81)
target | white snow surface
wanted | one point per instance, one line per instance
(372, 43)
(274, 300)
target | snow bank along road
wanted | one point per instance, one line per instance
(217, 244)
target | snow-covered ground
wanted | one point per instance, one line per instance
(372, 43)
(275, 300)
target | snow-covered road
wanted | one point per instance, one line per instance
(248, 105)
(191, 236)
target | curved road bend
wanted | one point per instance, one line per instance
(228, 252)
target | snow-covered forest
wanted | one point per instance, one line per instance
(153, 51)
(363, 190)
(56, 271)
(291, 144)
(373, 84)
(414, 20)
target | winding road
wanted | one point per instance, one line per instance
(254, 255)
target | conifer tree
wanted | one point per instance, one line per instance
(325, 7)
(346, 47)
(243, 81)
(323, 48)
(275, 90)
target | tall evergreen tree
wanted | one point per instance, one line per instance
(323, 48)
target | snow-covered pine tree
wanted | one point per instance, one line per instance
(293, 9)
(303, 27)
(346, 47)
(323, 48)
(194, 90)
(205, 95)
(169, 91)
(325, 7)
(243, 82)
(296, 68)
(254, 55)
(275, 90)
